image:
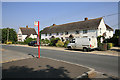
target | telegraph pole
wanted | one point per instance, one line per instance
(8, 35)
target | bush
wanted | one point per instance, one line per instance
(53, 41)
(66, 43)
(46, 41)
(28, 40)
(59, 43)
(22, 43)
(109, 45)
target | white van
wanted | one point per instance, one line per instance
(83, 43)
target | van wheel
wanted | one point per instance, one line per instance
(85, 49)
(69, 48)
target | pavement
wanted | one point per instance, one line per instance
(41, 68)
(19, 65)
(99, 63)
(9, 55)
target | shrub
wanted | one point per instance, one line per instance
(59, 43)
(20, 43)
(47, 41)
(66, 43)
(53, 41)
(109, 45)
(28, 40)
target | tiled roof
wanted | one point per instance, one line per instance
(28, 31)
(80, 25)
(108, 27)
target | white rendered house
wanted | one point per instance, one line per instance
(87, 28)
(24, 33)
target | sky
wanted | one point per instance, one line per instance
(20, 14)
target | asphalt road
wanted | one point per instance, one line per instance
(102, 63)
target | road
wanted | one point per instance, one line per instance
(102, 63)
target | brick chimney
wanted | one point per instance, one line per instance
(27, 26)
(86, 19)
(54, 24)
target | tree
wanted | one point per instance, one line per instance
(115, 38)
(12, 35)
(29, 40)
(40, 33)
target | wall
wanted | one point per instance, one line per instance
(101, 28)
(91, 33)
(33, 36)
(19, 35)
(109, 34)
(102, 25)
(23, 37)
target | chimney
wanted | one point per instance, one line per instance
(54, 24)
(86, 19)
(27, 26)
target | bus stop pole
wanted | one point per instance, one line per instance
(39, 42)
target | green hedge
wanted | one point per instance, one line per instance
(29, 40)
(102, 46)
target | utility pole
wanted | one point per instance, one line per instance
(8, 35)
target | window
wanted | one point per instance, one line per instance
(19, 35)
(84, 31)
(77, 32)
(19, 39)
(50, 34)
(66, 33)
(46, 34)
(62, 33)
(100, 30)
(57, 33)
(85, 36)
(62, 39)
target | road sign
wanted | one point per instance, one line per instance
(36, 23)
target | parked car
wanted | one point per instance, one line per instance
(83, 43)
(8, 42)
(33, 43)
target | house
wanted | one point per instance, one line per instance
(86, 28)
(24, 33)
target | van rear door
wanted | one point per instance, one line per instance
(82, 42)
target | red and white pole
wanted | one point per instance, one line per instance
(39, 42)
